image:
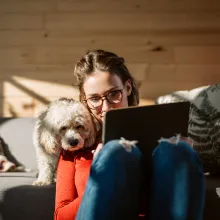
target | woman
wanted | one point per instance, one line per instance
(108, 186)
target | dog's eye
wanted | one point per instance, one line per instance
(63, 128)
(79, 127)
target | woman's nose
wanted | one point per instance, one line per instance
(106, 105)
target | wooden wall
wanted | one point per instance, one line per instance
(168, 45)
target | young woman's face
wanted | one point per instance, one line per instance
(105, 91)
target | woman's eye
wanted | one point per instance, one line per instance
(79, 127)
(113, 93)
(94, 99)
(63, 128)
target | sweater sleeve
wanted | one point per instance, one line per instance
(67, 200)
(72, 174)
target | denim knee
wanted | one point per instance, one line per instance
(112, 188)
(181, 152)
(114, 152)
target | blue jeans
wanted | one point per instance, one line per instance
(113, 188)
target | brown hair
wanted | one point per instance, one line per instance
(107, 62)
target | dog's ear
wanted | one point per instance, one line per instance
(89, 142)
(49, 142)
(94, 127)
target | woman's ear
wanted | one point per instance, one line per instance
(128, 87)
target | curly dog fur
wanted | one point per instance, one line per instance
(67, 124)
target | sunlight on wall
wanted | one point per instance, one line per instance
(25, 98)
(146, 102)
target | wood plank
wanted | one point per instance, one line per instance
(142, 72)
(22, 87)
(17, 107)
(102, 39)
(184, 38)
(26, 6)
(144, 101)
(56, 74)
(20, 21)
(152, 90)
(23, 106)
(138, 71)
(106, 6)
(94, 21)
(70, 38)
(69, 55)
(139, 5)
(1, 104)
(10, 56)
(22, 37)
(208, 74)
(132, 21)
(197, 55)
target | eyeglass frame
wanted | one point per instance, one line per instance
(104, 97)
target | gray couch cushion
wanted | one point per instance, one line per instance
(11, 180)
(18, 135)
(26, 202)
(18, 198)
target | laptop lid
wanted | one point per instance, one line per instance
(146, 124)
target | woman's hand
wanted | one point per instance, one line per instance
(99, 147)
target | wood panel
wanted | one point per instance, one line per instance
(17, 107)
(69, 55)
(57, 74)
(132, 21)
(1, 103)
(20, 21)
(152, 90)
(26, 6)
(109, 5)
(20, 87)
(168, 45)
(88, 39)
(209, 74)
(23, 106)
(197, 55)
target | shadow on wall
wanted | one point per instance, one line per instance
(23, 94)
(11, 108)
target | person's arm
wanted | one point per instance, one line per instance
(67, 200)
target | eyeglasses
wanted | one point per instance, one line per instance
(113, 97)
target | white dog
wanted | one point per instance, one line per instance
(66, 124)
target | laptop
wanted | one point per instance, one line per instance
(146, 124)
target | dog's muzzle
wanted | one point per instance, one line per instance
(73, 142)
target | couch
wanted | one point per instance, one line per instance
(20, 200)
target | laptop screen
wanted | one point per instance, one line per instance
(146, 124)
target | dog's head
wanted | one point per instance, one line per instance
(70, 124)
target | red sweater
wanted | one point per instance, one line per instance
(72, 174)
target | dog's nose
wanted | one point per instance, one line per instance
(73, 142)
